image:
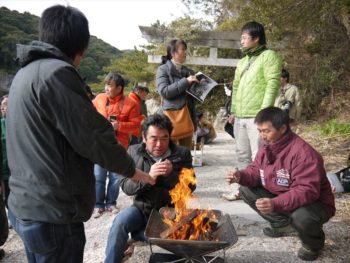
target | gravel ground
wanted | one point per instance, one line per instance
(251, 247)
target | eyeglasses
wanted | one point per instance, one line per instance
(161, 140)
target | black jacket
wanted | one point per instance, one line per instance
(54, 135)
(148, 197)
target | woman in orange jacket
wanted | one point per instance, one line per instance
(124, 115)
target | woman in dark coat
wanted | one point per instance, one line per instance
(173, 79)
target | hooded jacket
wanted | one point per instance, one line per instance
(293, 171)
(54, 135)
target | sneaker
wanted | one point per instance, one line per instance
(231, 197)
(128, 252)
(98, 212)
(307, 254)
(279, 231)
(113, 209)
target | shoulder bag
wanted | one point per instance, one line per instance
(182, 122)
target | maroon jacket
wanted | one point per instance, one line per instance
(292, 170)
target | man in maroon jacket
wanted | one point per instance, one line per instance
(287, 184)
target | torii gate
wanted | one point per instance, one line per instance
(211, 39)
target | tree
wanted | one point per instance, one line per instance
(98, 55)
(312, 36)
(133, 66)
(18, 28)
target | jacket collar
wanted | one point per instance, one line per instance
(116, 99)
(172, 68)
(38, 50)
(271, 150)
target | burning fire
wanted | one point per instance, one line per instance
(187, 224)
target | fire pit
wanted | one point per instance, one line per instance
(190, 250)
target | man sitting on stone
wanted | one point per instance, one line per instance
(287, 184)
(159, 156)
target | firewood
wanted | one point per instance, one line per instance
(168, 232)
(213, 222)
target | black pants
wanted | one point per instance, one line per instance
(4, 230)
(7, 192)
(307, 220)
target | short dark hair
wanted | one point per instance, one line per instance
(117, 78)
(275, 115)
(160, 121)
(255, 29)
(141, 88)
(285, 74)
(65, 28)
(172, 47)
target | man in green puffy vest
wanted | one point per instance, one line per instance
(255, 86)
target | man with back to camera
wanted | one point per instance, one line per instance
(54, 137)
(287, 184)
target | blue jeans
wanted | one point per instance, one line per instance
(130, 220)
(106, 199)
(51, 243)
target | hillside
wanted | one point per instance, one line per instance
(23, 28)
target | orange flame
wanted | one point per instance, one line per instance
(181, 194)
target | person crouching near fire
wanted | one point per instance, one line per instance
(287, 184)
(159, 156)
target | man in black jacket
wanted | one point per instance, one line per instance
(159, 156)
(54, 137)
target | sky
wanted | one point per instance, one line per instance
(114, 21)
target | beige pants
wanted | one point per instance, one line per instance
(247, 141)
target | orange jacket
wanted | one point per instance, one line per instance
(127, 113)
(136, 99)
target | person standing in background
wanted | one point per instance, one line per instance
(172, 81)
(124, 115)
(5, 167)
(139, 96)
(4, 228)
(288, 98)
(255, 86)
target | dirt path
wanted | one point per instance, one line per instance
(253, 247)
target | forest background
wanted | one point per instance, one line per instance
(312, 37)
